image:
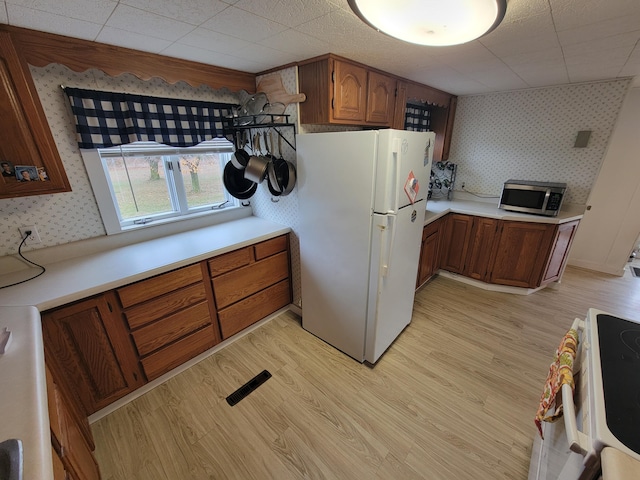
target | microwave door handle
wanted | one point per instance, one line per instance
(578, 441)
(546, 200)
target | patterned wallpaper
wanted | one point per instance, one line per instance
(529, 134)
(68, 217)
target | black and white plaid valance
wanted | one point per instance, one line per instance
(107, 119)
(417, 118)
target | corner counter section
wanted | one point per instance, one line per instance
(23, 402)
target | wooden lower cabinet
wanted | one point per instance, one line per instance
(429, 252)
(171, 318)
(479, 254)
(71, 441)
(513, 253)
(564, 235)
(250, 283)
(521, 253)
(455, 241)
(88, 344)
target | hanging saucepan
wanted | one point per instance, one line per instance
(240, 157)
(256, 169)
(236, 184)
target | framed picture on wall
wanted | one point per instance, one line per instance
(7, 169)
(27, 173)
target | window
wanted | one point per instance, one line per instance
(145, 183)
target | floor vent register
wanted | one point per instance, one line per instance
(248, 387)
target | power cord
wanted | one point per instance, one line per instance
(26, 235)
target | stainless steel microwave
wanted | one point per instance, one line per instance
(541, 198)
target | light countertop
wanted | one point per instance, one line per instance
(80, 277)
(23, 390)
(439, 208)
(23, 397)
(619, 466)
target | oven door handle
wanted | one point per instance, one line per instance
(578, 441)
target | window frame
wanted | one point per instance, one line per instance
(97, 171)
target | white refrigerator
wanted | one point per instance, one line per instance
(362, 199)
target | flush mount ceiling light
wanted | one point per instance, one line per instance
(431, 22)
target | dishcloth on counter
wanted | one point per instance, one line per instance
(560, 372)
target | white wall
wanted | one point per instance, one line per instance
(609, 230)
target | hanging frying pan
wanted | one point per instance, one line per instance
(236, 184)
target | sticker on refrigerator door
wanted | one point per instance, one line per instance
(411, 187)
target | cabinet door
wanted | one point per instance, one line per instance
(481, 247)
(430, 252)
(521, 253)
(25, 138)
(350, 92)
(455, 242)
(89, 345)
(381, 91)
(559, 251)
(400, 106)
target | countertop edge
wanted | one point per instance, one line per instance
(439, 208)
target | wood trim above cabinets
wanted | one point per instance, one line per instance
(40, 49)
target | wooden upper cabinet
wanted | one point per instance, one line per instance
(340, 91)
(350, 92)
(89, 345)
(381, 91)
(25, 138)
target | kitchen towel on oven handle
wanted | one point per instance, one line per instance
(560, 373)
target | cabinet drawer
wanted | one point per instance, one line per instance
(245, 281)
(229, 261)
(251, 309)
(140, 315)
(158, 334)
(270, 247)
(177, 353)
(160, 285)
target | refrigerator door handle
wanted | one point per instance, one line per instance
(397, 149)
(389, 237)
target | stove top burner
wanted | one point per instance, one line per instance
(619, 342)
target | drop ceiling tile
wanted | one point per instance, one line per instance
(214, 41)
(245, 25)
(548, 56)
(600, 30)
(303, 45)
(213, 58)
(624, 43)
(88, 10)
(288, 13)
(612, 56)
(542, 73)
(49, 22)
(519, 9)
(632, 65)
(590, 72)
(194, 12)
(3, 13)
(571, 14)
(343, 29)
(144, 23)
(122, 38)
(262, 54)
(499, 79)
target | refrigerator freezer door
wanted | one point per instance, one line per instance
(335, 197)
(401, 155)
(394, 267)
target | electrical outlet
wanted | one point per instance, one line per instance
(462, 186)
(33, 238)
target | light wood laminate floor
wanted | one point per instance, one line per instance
(453, 398)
